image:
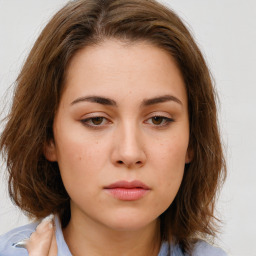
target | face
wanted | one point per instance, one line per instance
(121, 134)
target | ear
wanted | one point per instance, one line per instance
(189, 155)
(50, 151)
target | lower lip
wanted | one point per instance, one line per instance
(127, 194)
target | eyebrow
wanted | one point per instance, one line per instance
(110, 102)
(96, 99)
(161, 99)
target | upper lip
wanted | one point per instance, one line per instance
(127, 184)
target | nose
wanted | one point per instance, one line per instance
(128, 149)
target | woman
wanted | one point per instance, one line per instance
(113, 130)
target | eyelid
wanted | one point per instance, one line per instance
(166, 116)
(94, 115)
(90, 116)
(160, 114)
(87, 120)
(86, 123)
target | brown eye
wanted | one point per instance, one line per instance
(97, 120)
(157, 120)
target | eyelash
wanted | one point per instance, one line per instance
(167, 121)
(86, 122)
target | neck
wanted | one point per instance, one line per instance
(90, 238)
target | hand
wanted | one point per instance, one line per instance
(42, 242)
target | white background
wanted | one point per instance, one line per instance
(226, 33)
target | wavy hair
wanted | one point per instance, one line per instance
(35, 184)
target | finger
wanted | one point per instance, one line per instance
(53, 249)
(40, 241)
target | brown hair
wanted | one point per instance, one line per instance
(35, 184)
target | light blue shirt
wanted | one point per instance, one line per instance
(7, 240)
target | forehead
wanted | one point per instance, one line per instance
(114, 68)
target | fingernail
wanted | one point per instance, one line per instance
(46, 222)
(48, 218)
(21, 244)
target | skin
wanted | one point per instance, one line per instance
(43, 241)
(125, 143)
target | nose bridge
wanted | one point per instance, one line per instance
(129, 148)
(129, 134)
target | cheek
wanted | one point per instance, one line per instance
(80, 159)
(168, 160)
(75, 146)
(170, 154)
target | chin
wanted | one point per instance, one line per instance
(130, 222)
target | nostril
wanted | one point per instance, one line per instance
(129, 164)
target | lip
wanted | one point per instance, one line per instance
(127, 184)
(127, 190)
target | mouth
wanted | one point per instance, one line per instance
(127, 190)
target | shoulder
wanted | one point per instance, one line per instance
(202, 248)
(14, 236)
